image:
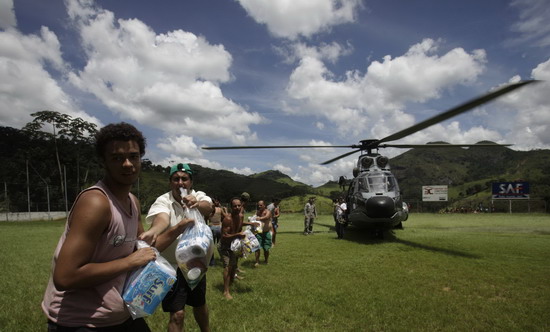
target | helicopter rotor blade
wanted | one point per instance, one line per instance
(274, 147)
(340, 157)
(455, 111)
(442, 145)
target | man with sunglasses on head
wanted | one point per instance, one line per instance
(167, 220)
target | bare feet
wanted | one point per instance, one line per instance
(238, 277)
(257, 264)
(228, 296)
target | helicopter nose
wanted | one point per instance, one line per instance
(380, 207)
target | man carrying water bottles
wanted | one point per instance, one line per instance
(166, 217)
(97, 249)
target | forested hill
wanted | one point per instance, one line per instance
(469, 171)
(67, 160)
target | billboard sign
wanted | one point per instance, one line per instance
(435, 193)
(510, 190)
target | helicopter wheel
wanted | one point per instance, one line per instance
(399, 226)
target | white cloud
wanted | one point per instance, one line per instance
(293, 18)
(7, 15)
(176, 158)
(169, 81)
(316, 174)
(282, 168)
(527, 112)
(243, 171)
(181, 145)
(453, 133)
(532, 26)
(25, 85)
(331, 52)
(372, 104)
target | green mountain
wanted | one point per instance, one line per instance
(225, 184)
(470, 172)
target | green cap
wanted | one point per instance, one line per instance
(181, 167)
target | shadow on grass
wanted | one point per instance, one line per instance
(365, 237)
(436, 249)
(317, 228)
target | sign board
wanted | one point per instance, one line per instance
(435, 193)
(510, 190)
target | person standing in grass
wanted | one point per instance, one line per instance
(98, 247)
(264, 237)
(231, 230)
(341, 218)
(215, 223)
(310, 213)
(245, 198)
(167, 218)
(275, 213)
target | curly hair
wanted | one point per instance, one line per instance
(118, 132)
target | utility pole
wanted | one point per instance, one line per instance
(28, 190)
(65, 180)
(8, 201)
(47, 191)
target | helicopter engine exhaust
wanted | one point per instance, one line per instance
(380, 207)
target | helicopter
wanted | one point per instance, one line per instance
(374, 201)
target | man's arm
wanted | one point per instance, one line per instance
(205, 208)
(202, 203)
(159, 225)
(266, 216)
(90, 217)
(277, 212)
(226, 228)
(165, 239)
(140, 229)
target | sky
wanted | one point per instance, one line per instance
(195, 73)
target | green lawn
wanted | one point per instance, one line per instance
(475, 272)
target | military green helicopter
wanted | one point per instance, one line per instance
(374, 201)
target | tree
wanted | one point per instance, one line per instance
(75, 134)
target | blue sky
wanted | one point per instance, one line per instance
(287, 72)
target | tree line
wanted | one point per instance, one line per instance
(47, 162)
(52, 158)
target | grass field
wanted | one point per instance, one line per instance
(476, 272)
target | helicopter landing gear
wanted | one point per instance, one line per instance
(399, 226)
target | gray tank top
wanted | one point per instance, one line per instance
(101, 305)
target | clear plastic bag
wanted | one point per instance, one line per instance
(237, 246)
(195, 248)
(146, 287)
(257, 226)
(250, 243)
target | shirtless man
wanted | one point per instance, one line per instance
(263, 215)
(215, 224)
(231, 229)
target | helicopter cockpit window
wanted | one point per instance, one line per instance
(378, 182)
